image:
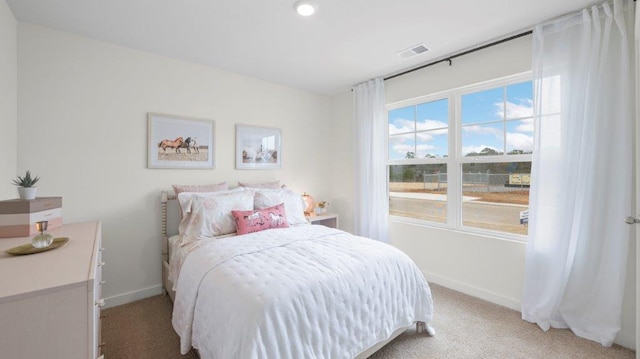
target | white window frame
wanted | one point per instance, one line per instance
(455, 160)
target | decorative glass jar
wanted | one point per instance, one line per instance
(42, 239)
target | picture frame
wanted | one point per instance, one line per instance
(180, 142)
(258, 148)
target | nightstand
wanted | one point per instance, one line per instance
(329, 219)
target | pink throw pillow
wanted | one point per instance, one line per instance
(261, 219)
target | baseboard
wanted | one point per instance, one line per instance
(132, 296)
(483, 294)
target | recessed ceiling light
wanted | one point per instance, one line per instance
(304, 8)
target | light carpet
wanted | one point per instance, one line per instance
(466, 327)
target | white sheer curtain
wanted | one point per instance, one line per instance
(581, 187)
(371, 202)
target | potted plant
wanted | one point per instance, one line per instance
(25, 184)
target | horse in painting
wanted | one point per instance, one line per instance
(191, 145)
(175, 144)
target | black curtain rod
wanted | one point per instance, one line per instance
(449, 58)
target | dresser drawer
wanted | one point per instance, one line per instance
(98, 301)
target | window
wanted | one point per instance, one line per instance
(418, 149)
(462, 158)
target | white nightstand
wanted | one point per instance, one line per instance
(328, 219)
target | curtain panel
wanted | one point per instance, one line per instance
(581, 180)
(371, 202)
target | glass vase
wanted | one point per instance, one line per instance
(42, 239)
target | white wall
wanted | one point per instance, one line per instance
(482, 266)
(8, 100)
(83, 129)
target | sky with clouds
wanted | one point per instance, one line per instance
(492, 118)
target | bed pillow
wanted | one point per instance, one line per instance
(263, 185)
(207, 215)
(293, 203)
(222, 186)
(185, 202)
(260, 219)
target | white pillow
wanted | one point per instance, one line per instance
(207, 215)
(186, 199)
(263, 185)
(179, 188)
(293, 203)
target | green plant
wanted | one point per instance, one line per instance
(26, 181)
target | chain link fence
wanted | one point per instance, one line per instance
(475, 182)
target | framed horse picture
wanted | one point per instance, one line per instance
(179, 142)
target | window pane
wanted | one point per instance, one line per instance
(483, 106)
(432, 115)
(402, 120)
(520, 100)
(431, 144)
(402, 146)
(483, 140)
(520, 137)
(494, 195)
(432, 119)
(418, 191)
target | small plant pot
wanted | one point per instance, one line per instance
(27, 193)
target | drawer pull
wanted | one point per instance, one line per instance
(101, 264)
(101, 249)
(103, 282)
(102, 345)
(100, 303)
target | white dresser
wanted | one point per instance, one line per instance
(50, 302)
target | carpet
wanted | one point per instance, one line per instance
(466, 327)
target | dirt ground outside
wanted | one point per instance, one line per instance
(495, 208)
(495, 194)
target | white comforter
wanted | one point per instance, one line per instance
(299, 292)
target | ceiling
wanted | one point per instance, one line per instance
(346, 42)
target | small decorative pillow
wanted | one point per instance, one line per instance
(208, 215)
(260, 219)
(222, 186)
(293, 203)
(269, 185)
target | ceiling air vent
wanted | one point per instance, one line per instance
(413, 50)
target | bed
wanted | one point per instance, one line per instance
(303, 291)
